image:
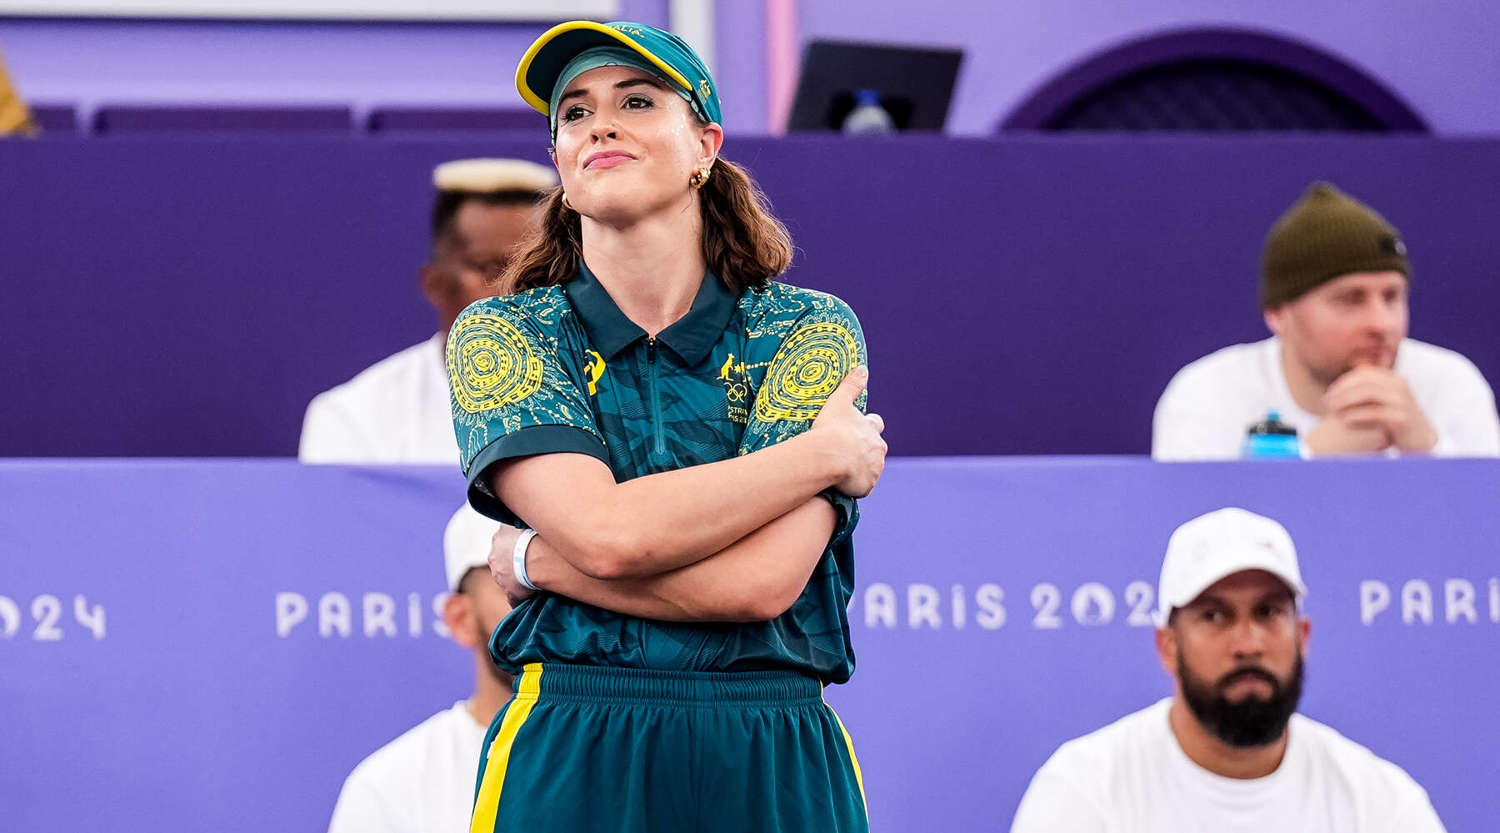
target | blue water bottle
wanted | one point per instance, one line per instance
(1272, 439)
(868, 116)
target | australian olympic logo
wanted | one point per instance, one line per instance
(736, 383)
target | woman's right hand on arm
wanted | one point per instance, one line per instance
(853, 436)
(502, 551)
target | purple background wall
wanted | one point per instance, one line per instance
(189, 709)
(92, 61)
(1436, 56)
(188, 297)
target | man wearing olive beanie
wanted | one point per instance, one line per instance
(1334, 278)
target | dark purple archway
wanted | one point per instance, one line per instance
(1054, 100)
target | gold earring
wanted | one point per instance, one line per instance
(568, 205)
(699, 177)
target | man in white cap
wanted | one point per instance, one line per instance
(423, 781)
(397, 410)
(1227, 751)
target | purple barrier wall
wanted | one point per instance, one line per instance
(188, 297)
(1436, 56)
(212, 646)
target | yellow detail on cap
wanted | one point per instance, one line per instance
(540, 103)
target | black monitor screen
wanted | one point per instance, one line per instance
(914, 84)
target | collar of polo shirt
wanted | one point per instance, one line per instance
(691, 337)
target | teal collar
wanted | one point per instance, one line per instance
(692, 337)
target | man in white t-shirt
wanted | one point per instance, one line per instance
(397, 410)
(1339, 367)
(423, 781)
(1226, 752)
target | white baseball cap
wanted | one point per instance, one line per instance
(1221, 543)
(484, 175)
(466, 544)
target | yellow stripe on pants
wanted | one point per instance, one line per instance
(854, 759)
(487, 804)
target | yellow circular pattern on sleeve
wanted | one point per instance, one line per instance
(491, 364)
(806, 369)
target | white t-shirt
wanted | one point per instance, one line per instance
(421, 782)
(394, 411)
(1133, 777)
(1208, 405)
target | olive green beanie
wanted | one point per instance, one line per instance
(1324, 235)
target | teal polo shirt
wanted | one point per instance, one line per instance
(561, 369)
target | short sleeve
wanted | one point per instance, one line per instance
(822, 346)
(363, 808)
(1417, 816)
(1195, 418)
(513, 393)
(329, 435)
(1054, 804)
(1464, 417)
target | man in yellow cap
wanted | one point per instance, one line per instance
(397, 410)
(1338, 368)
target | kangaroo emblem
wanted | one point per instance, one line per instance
(736, 388)
(595, 369)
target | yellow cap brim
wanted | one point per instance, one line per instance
(544, 60)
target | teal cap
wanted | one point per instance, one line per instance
(609, 56)
(543, 65)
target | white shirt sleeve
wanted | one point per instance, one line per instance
(1055, 804)
(1418, 816)
(361, 808)
(1467, 425)
(1187, 426)
(330, 435)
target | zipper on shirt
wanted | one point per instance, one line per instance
(660, 449)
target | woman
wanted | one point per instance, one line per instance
(683, 437)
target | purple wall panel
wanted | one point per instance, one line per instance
(188, 297)
(1438, 60)
(335, 121)
(317, 63)
(740, 65)
(195, 62)
(1437, 57)
(194, 705)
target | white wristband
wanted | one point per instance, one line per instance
(518, 558)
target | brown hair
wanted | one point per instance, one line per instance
(745, 245)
